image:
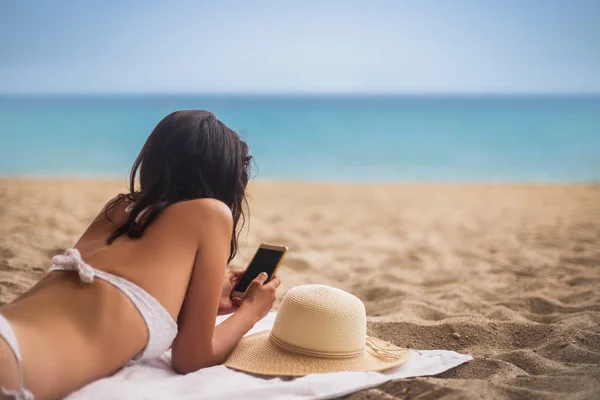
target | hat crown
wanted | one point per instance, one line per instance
(321, 320)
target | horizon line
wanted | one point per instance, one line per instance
(309, 94)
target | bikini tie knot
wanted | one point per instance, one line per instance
(72, 261)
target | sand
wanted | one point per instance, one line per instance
(508, 274)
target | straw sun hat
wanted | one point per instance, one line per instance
(317, 329)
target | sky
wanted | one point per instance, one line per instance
(303, 46)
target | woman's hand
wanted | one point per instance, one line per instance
(259, 297)
(226, 304)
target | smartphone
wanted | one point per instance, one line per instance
(267, 259)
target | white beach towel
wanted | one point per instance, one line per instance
(154, 379)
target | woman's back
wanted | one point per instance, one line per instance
(93, 329)
(161, 261)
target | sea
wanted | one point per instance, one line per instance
(326, 138)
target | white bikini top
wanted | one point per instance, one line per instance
(162, 329)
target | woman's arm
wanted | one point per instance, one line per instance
(199, 344)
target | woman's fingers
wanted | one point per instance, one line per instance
(237, 273)
(275, 282)
(234, 274)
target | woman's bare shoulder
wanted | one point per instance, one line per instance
(209, 212)
(199, 215)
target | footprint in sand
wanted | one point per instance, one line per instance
(587, 261)
(297, 264)
(6, 254)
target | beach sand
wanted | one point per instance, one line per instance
(508, 274)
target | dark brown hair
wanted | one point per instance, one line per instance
(189, 155)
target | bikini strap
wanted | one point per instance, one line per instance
(7, 333)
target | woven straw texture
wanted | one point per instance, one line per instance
(318, 329)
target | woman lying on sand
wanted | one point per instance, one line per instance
(147, 275)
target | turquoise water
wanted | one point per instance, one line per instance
(325, 138)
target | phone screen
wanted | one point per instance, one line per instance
(265, 260)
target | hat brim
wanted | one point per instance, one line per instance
(258, 355)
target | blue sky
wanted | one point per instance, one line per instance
(421, 46)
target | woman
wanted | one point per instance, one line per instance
(147, 275)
